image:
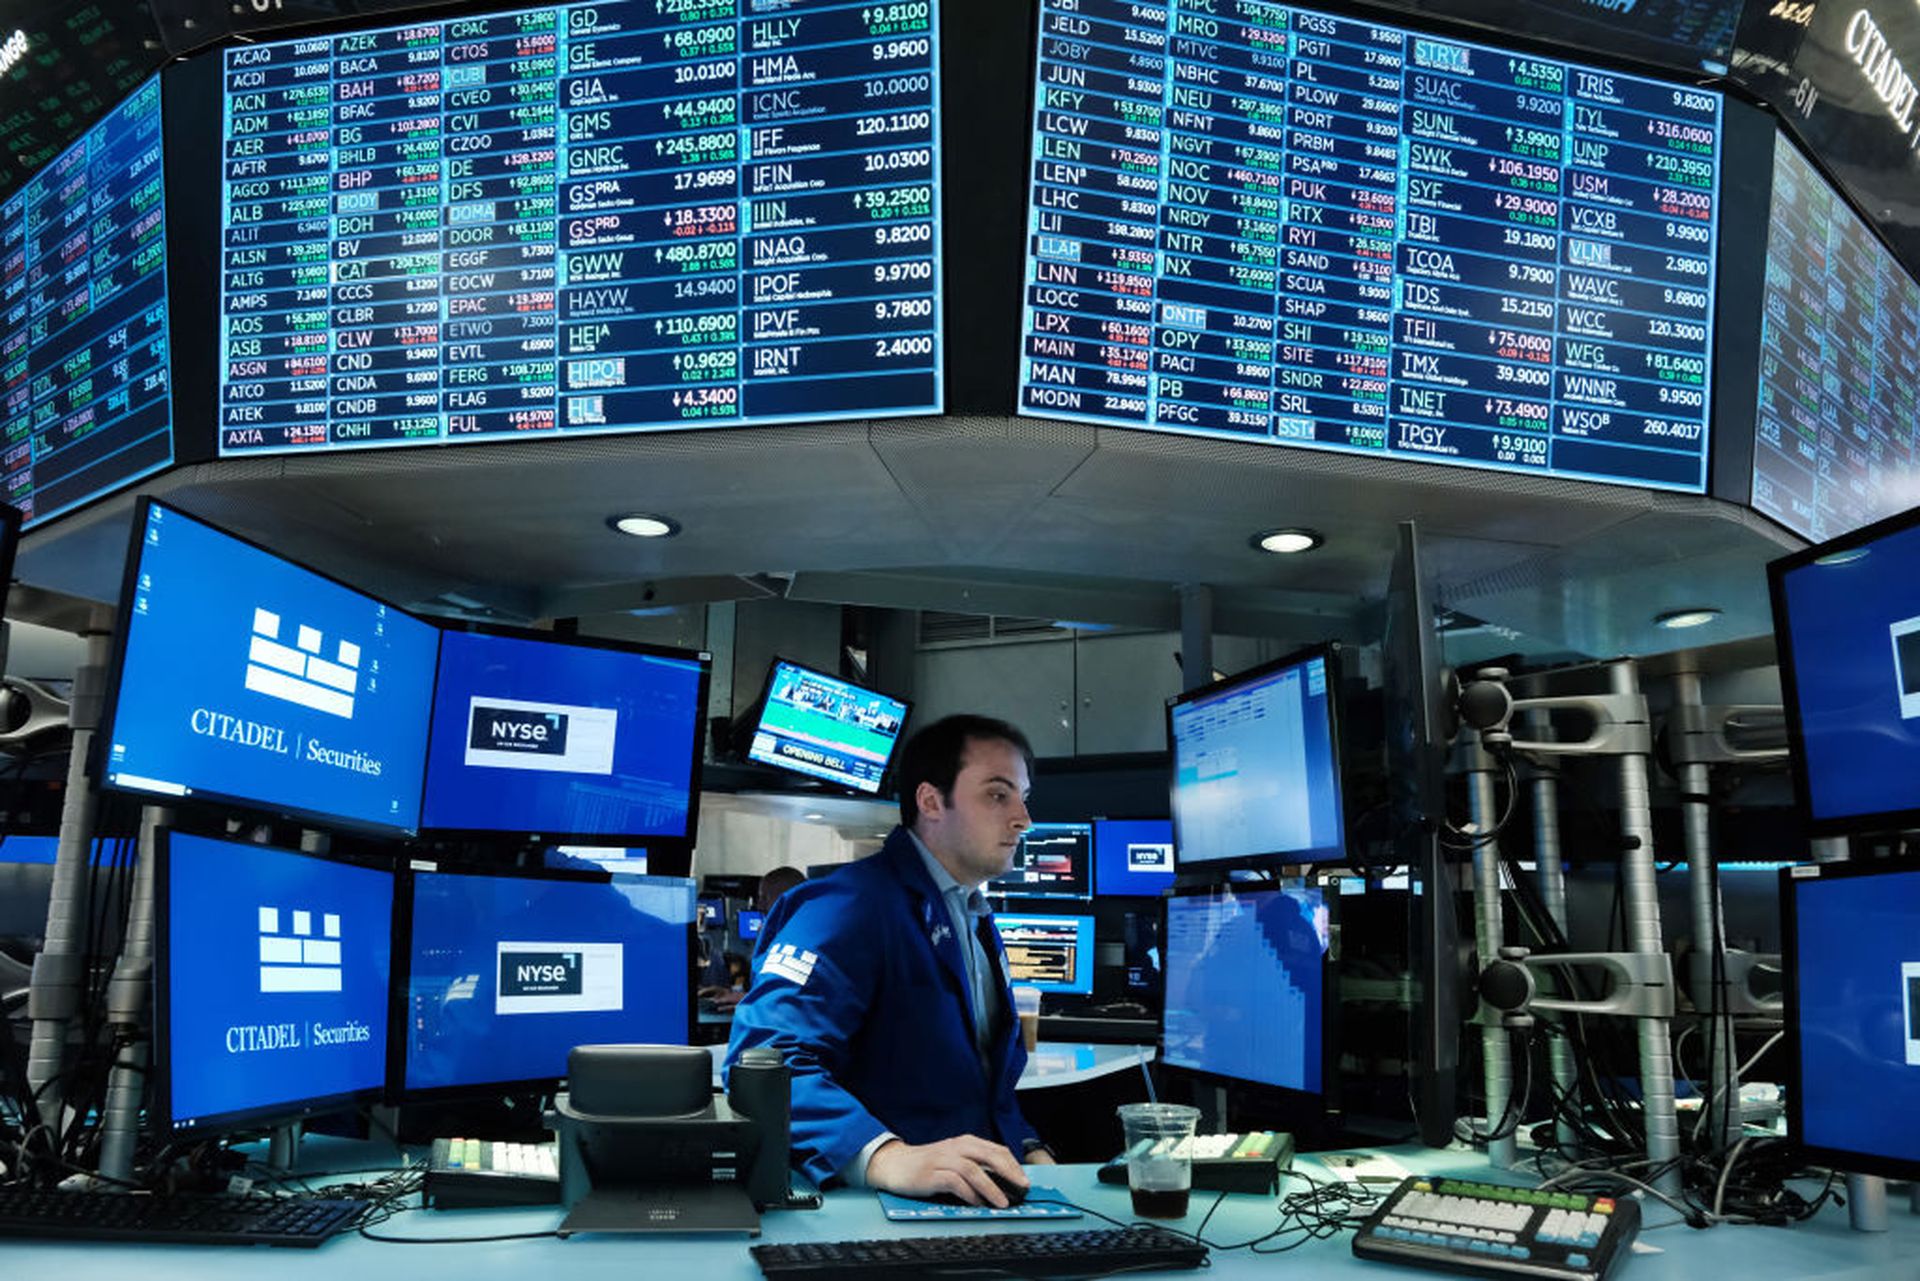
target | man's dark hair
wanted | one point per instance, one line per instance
(933, 755)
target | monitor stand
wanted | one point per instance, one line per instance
(711, 1207)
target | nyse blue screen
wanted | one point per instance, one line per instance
(245, 1035)
(624, 766)
(621, 216)
(1132, 856)
(1245, 986)
(249, 678)
(1264, 223)
(1853, 626)
(1858, 965)
(629, 937)
(84, 364)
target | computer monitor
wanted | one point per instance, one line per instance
(1246, 986)
(243, 677)
(539, 737)
(712, 913)
(271, 983)
(1846, 619)
(1132, 856)
(1256, 765)
(505, 974)
(1052, 953)
(750, 923)
(1851, 938)
(825, 727)
(1054, 860)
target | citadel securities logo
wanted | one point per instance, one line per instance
(296, 673)
(296, 959)
(559, 978)
(559, 738)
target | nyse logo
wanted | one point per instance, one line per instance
(540, 974)
(1149, 857)
(507, 729)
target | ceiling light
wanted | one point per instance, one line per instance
(813, 816)
(1284, 542)
(1676, 619)
(644, 525)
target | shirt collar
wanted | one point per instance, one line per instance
(969, 897)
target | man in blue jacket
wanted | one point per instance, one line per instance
(884, 985)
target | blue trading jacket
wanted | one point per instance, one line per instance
(861, 985)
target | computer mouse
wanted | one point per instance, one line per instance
(1014, 1193)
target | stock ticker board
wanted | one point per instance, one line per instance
(622, 216)
(84, 347)
(1260, 222)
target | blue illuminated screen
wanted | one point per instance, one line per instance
(820, 725)
(1254, 770)
(1245, 986)
(507, 974)
(1856, 976)
(251, 679)
(1132, 856)
(1851, 624)
(751, 923)
(1054, 860)
(542, 736)
(1276, 225)
(84, 363)
(277, 968)
(1052, 953)
(606, 217)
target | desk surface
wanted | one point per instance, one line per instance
(1822, 1248)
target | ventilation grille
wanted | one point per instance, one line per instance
(940, 628)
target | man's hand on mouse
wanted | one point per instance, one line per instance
(957, 1167)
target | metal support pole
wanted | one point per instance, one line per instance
(1641, 907)
(1712, 997)
(127, 1011)
(1553, 892)
(1489, 932)
(1196, 635)
(60, 971)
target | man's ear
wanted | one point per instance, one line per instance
(928, 801)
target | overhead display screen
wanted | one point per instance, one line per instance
(1834, 438)
(83, 354)
(593, 218)
(1260, 222)
(1689, 34)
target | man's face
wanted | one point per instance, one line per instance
(975, 832)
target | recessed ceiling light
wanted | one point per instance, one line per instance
(813, 816)
(1677, 619)
(1284, 542)
(645, 525)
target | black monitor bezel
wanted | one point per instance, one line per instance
(11, 521)
(885, 781)
(1329, 652)
(162, 1069)
(400, 1001)
(1777, 571)
(526, 836)
(1172, 873)
(1001, 891)
(1084, 964)
(1320, 1102)
(1791, 879)
(110, 705)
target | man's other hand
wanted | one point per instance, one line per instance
(958, 1167)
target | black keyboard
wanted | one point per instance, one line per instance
(1017, 1254)
(1491, 1231)
(189, 1220)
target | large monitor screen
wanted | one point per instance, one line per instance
(1256, 766)
(1052, 953)
(1834, 445)
(551, 737)
(506, 974)
(604, 217)
(1246, 986)
(1132, 856)
(1852, 941)
(1847, 624)
(1269, 224)
(273, 981)
(247, 678)
(1692, 35)
(1054, 860)
(83, 352)
(825, 727)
